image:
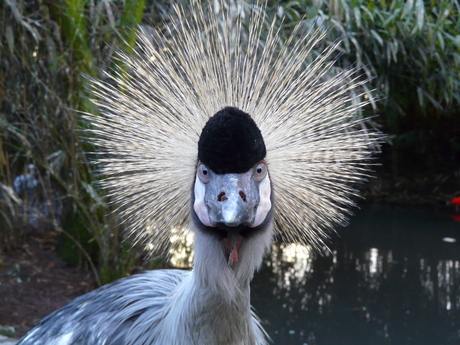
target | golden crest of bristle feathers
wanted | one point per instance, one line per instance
(151, 118)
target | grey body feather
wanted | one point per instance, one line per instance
(106, 314)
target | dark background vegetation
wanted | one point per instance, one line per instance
(410, 51)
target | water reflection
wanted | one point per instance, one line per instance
(390, 278)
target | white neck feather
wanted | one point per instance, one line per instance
(212, 305)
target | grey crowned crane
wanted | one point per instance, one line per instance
(212, 132)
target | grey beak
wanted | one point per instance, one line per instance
(232, 199)
(233, 209)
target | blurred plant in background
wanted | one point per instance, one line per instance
(46, 181)
(410, 51)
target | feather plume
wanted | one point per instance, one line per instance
(151, 118)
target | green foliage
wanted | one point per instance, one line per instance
(411, 49)
(45, 49)
(414, 40)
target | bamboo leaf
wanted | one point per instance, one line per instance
(392, 17)
(456, 59)
(440, 40)
(368, 12)
(11, 193)
(395, 46)
(433, 101)
(440, 62)
(110, 16)
(420, 97)
(420, 13)
(388, 52)
(407, 8)
(423, 56)
(377, 37)
(10, 38)
(357, 14)
(456, 41)
(356, 44)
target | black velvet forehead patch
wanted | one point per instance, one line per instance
(231, 142)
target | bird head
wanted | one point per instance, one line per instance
(233, 197)
(310, 145)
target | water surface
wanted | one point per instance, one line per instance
(391, 278)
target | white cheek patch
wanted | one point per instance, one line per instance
(265, 203)
(199, 205)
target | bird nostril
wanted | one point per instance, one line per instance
(243, 196)
(222, 197)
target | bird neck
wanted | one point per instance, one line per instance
(213, 273)
(212, 304)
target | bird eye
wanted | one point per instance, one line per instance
(260, 171)
(203, 173)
